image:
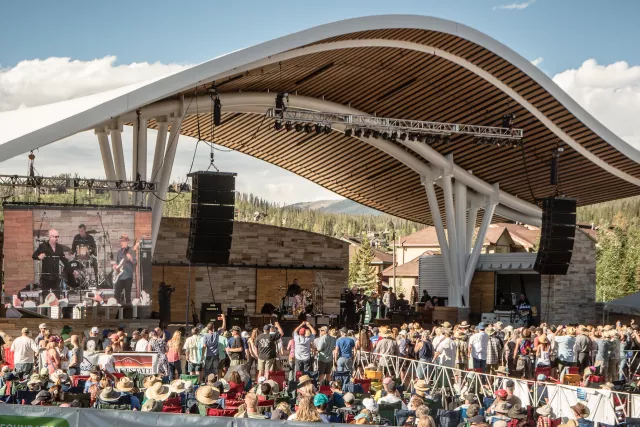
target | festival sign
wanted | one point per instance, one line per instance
(145, 363)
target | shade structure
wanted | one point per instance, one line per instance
(626, 305)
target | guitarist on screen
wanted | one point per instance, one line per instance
(123, 270)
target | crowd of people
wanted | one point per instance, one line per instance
(323, 375)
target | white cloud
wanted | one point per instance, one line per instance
(611, 93)
(537, 61)
(44, 81)
(515, 6)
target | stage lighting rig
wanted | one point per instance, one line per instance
(288, 126)
(298, 127)
(348, 132)
(358, 132)
(277, 125)
(508, 120)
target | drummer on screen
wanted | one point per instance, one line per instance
(50, 254)
(85, 239)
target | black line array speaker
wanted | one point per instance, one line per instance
(145, 266)
(557, 236)
(212, 211)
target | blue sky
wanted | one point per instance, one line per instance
(564, 32)
(102, 39)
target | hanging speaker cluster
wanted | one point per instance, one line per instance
(213, 199)
(557, 236)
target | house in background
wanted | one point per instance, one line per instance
(500, 238)
(381, 259)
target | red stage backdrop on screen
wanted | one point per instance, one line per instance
(89, 254)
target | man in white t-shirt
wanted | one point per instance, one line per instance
(194, 347)
(24, 351)
(478, 347)
(143, 342)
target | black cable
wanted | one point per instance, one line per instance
(526, 172)
(213, 297)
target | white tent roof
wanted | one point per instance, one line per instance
(627, 305)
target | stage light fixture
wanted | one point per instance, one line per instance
(403, 136)
(307, 128)
(376, 134)
(367, 133)
(446, 139)
(288, 126)
(318, 128)
(348, 132)
(385, 135)
(277, 125)
(422, 137)
(412, 137)
(358, 132)
(327, 129)
(298, 127)
(217, 111)
(394, 135)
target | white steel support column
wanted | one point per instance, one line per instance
(489, 209)
(461, 228)
(471, 227)
(429, 186)
(118, 158)
(158, 156)
(139, 154)
(165, 176)
(107, 161)
(449, 210)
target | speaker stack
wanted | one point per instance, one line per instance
(557, 236)
(212, 211)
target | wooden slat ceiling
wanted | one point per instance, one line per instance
(407, 84)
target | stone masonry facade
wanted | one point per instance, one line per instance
(281, 251)
(571, 299)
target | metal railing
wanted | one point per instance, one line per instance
(451, 383)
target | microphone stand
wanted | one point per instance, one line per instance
(105, 238)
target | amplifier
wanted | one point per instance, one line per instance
(209, 311)
(235, 311)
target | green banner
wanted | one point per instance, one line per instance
(28, 421)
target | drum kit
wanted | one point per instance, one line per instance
(83, 272)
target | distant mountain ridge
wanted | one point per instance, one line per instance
(344, 206)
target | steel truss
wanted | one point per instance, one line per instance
(384, 124)
(58, 183)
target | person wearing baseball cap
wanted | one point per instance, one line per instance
(478, 344)
(302, 346)
(321, 402)
(325, 345)
(42, 328)
(94, 342)
(266, 345)
(25, 351)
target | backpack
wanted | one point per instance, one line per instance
(526, 347)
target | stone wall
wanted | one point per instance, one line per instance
(278, 251)
(571, 298)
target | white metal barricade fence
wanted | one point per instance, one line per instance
(453, 383)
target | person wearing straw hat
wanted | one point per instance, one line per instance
(158, 391)
(109, 398)
(43, 398)
(126, 387)
(207, 397)
(152, 405)
(545, 416)
(494, 351)
(501, 409)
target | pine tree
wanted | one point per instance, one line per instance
(366, 277)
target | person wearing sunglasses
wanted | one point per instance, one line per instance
(51, 254)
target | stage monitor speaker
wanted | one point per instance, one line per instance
(236, 320)
(145, 266)
(212, 214)
(557, 236)
(209, 312)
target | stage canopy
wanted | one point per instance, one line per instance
(626, 305)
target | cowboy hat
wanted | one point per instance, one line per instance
(303, 380)
(42, 396)
(151, 405)
(108, 394)
(60, 375)
(571, 331)
(177, 386)
(490, 331)
(150, 380)
(207, 395)
(420, 387)
(502, 370)
(124, 237)
(501, 408)
(464, 325)
(34, 379)
(446, 325)
(125, 384)
(581, 410)
(158, 391)
(516, 412)
(507, 328)
(608, 386)
(545, 411)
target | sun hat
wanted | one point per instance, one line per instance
(177, 386)
(571, 331)
(34, 379)
(459, 334)
(516, 412)
(60, 375)
(43, 326)
(476, 419)
(158, 391)
(463, 325)
(207, 395)
(124, 238)
(150, 380)
(151, 405)
(490, 331)
(320, 399)
(42, 396)
(108, 394)
(472, 410)
(125, 384)
(469, 396)
(545, 411)
(349, 397)
(507, 328)
(446, 325)
(304, 379)
(500, 423)
(541, 377)
(501, 408)
(420, 385)
(481, 326)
